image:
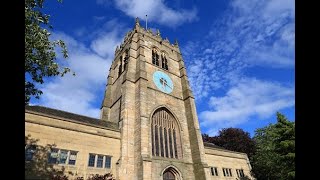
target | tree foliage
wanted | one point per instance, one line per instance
(275, 156)
(107, 176)
(40, 55)
(39, 168)
(234, 139)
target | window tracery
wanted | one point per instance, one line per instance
(165, 135)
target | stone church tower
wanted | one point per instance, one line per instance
(149, 96)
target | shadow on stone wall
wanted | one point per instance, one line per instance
(38, 167)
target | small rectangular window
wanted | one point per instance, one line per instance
(63, 156)
(53, 156)
(227, 172)
(73, 157)
(92, 158)
(29, 152)
(100, 161)
(108, 162)
(240, 172)
(214, 171)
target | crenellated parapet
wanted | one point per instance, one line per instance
(148, 33)
(126, 39)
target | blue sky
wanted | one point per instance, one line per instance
(239, 54)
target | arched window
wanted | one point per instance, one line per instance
(126, 59)
(164, 61)
(171, 174)
(168, 176)
(155, 57)
(120, 67)
(165, 135)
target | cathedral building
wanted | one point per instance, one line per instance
(148, 128)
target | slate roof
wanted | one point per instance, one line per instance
(207, 144)
(72, 116)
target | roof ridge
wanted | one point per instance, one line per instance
(209, 143)
(71, 116)
(62, 111)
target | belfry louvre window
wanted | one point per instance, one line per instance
(155, 57)
(164, 61)
(165, 135)
(126, 59)
(120, 66)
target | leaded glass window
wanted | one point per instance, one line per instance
(165, 135)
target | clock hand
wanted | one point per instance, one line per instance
(168, 86)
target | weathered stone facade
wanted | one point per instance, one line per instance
(135, 92)
(130, 100)
(71, 134)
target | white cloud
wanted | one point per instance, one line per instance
(260, 27)
(106, 44)
(79, 94)
(275, 7)
(249, 33)
(108, 37)
(156, 10)
(80, 32)
(245, 99)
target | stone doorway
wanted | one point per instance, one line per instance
(171, 174)
(168, 176)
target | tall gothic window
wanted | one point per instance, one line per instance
(165, 135)
(126, 59)
(155, 57)
(164, 61)
(120, 67)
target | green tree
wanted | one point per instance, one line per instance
(234, 139)
(107, 176)
(36, 165)
(275, 155)
(40, 55)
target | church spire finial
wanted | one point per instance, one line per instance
(137, 21)
(176, 42)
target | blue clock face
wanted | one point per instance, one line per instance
(163, 82)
